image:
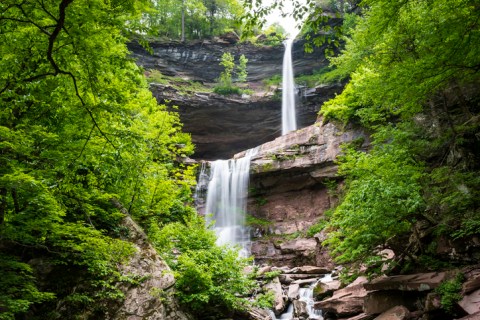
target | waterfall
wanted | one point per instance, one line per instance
(289, 122)
(226, 200)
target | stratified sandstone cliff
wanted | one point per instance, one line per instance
(224, 125)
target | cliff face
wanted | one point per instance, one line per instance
(292, 183)
(224, 125)
(200, 60)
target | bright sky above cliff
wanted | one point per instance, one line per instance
(288, 22)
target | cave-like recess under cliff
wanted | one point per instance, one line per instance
(224, 125)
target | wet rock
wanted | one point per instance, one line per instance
(395, 313)
(300, 310)
(201, 59)
(471, 302)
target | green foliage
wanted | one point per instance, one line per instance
(383, 195)
(254, 221)
(273, 80)
(18, 288)
(450, 292)
(324, 75)
(227, 90)
(203, 18)
(209, 278)
(407, 85)
(270, 275)
(242, 69)
(225, 85)
(316, 228)
(78, 129)
(265, 300)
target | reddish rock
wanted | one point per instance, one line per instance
(323, 290)
(471, 303)
(310, 270)
(293, 291)
(347, 301)
(361, 316)
(413, 282)
(472, 282)
(305, 246)
(395, 313)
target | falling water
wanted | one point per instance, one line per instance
(226, 200)
(289, 122)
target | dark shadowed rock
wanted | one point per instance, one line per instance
(222, 126)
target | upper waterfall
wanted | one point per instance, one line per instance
(289, 121)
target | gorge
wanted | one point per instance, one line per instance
(369, 209)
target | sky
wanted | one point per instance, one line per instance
(288, 23)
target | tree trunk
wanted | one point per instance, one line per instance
(3, 204)
(183, 21)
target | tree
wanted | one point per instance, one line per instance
(413, 69)
(242, 68)
(78, 128)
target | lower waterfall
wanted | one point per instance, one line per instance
(226, 200)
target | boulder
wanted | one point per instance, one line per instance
(276, 288)
(325, 289)
(471, 302)
(259, 314)
(413, 282)
(395, 313)
(305, 246)
(310, 270)
(347, 301)
(300, 310)
(150, 299)
(472, 281)
(293, 291)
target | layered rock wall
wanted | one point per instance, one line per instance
(292, 183)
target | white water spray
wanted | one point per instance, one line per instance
(226, 200)
(289, 122)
